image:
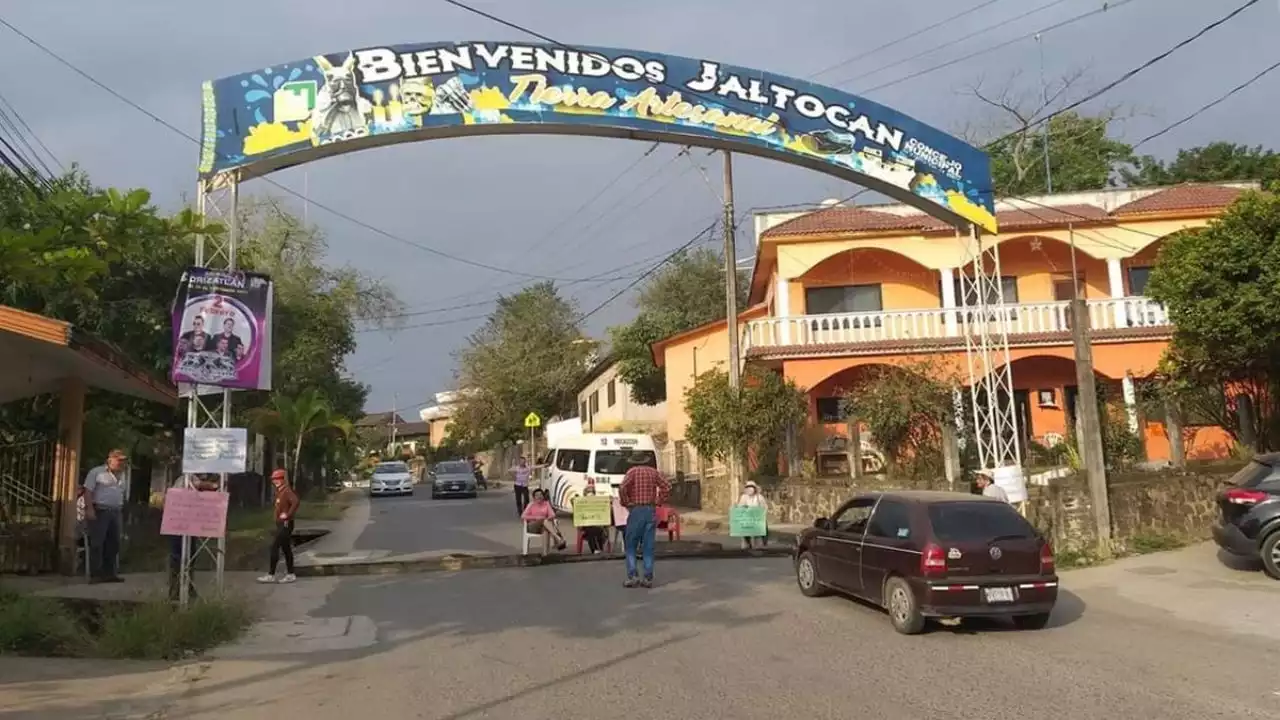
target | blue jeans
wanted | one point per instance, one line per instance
(642, 523)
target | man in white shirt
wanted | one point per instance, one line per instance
(105, 492)
(989, 488)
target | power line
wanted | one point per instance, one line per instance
(650, 272)
(1106, 6)
(934, 48)
(327, 208)
(1111, 85)
(1219, 100)
(8, 115)
(902, 38)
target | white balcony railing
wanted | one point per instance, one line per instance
(939, 323)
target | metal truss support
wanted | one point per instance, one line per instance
(217, 201)
(986, 334)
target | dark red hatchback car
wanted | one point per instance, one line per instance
(924, 555)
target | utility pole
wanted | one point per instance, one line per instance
(1089, 430)
(1048, 167)
(731, 308)
(394, 402)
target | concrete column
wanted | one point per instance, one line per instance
(66, 481)
(1130, 401)
(854, 451)
(1173, 428)
(957, 401)
(951, 455)
(1115, 275)
(948, 276)
(782, 304)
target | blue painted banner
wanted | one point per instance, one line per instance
(285, 115)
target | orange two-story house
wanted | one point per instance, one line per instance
(840, 289)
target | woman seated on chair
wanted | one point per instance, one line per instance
(540, 519)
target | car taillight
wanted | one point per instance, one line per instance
(1046, 558)
(1242, 496)
(933, 561)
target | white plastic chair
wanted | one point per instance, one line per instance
(527, 538)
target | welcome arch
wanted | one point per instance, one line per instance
(268, 119)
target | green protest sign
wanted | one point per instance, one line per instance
(591, 511)
(747, 522)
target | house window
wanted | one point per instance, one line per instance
(1138, 277)
(1047, 398)
(843, 299)
(1062, 290)
(829, 410)
(595, 402)
(1008, 288)
(583, 411)
(612, 393)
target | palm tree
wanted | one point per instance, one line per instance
(293, 421)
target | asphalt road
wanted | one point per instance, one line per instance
(416, 523)
(734, 639)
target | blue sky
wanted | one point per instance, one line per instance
(509, 201)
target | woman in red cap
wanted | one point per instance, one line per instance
(286, 504)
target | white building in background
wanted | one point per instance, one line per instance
(605, 403)
(438, 417)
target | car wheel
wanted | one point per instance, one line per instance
(1271, 554)
(904, 612)
(1031, 622)
(807, 577)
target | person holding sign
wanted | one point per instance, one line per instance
(285, 506)
(751, 498)
(643, 491)
(594, 529)
(540, 519)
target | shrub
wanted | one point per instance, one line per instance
(33, 625)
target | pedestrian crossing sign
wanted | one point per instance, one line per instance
(532, 420)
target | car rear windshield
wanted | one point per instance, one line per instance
(616, 462)
(1252, 475)
(453, 468)
(977, 522)
(388, 468)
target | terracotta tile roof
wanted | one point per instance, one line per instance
(855, 219)
(1035, 217)
(847, 219)
(1182, 197)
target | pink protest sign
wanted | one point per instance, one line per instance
(619, 514)
(195, 513)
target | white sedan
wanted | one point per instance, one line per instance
(391, 478)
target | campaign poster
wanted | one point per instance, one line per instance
(222, 330)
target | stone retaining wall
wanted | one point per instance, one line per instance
(1178, 505)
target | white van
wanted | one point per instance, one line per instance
(597, 457)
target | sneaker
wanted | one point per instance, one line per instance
(267, 579)
(646, 583)
(288, 578)
(631, 582)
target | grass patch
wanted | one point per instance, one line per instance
(1151, 542)
(162, 631)
(33, 625)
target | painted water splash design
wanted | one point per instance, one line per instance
(261, 87)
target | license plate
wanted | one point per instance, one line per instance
(998, 594)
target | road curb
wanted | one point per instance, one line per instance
(453, 563)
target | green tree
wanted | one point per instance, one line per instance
(1221, 285)
(904, 407)
(298, 420)
(724, 422)
(1082, 155)
(529, 356)
(686, 293)
(1215, 162)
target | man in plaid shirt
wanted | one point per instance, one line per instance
(642, 492)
